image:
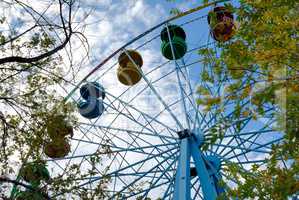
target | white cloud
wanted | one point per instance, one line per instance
(110, 25)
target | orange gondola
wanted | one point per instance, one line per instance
(221, 22)
(127, 72)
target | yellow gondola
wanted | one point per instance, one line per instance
(127, 72)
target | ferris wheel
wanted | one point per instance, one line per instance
(142, 134)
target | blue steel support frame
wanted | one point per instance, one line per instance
(182, 179)
(207, 184)
(182, 189)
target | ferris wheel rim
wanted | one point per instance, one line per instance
(193, 10)
(170, 180)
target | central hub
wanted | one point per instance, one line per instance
(184, 134)
(198, 136)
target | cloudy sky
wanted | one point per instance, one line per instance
(134, 116)
(111, 25)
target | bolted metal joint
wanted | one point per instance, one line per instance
(184, 134)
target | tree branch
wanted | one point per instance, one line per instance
(5, 179)
(68, 32)
(20, 59)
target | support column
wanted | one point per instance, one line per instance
(208, 188)
(207, 168)
(182, 179)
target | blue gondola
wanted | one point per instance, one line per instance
(92, 89)
(91, 108)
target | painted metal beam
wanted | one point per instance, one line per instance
(208, 187)
(182, 186)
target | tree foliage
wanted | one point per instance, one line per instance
(262, 63)
(34, 36)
